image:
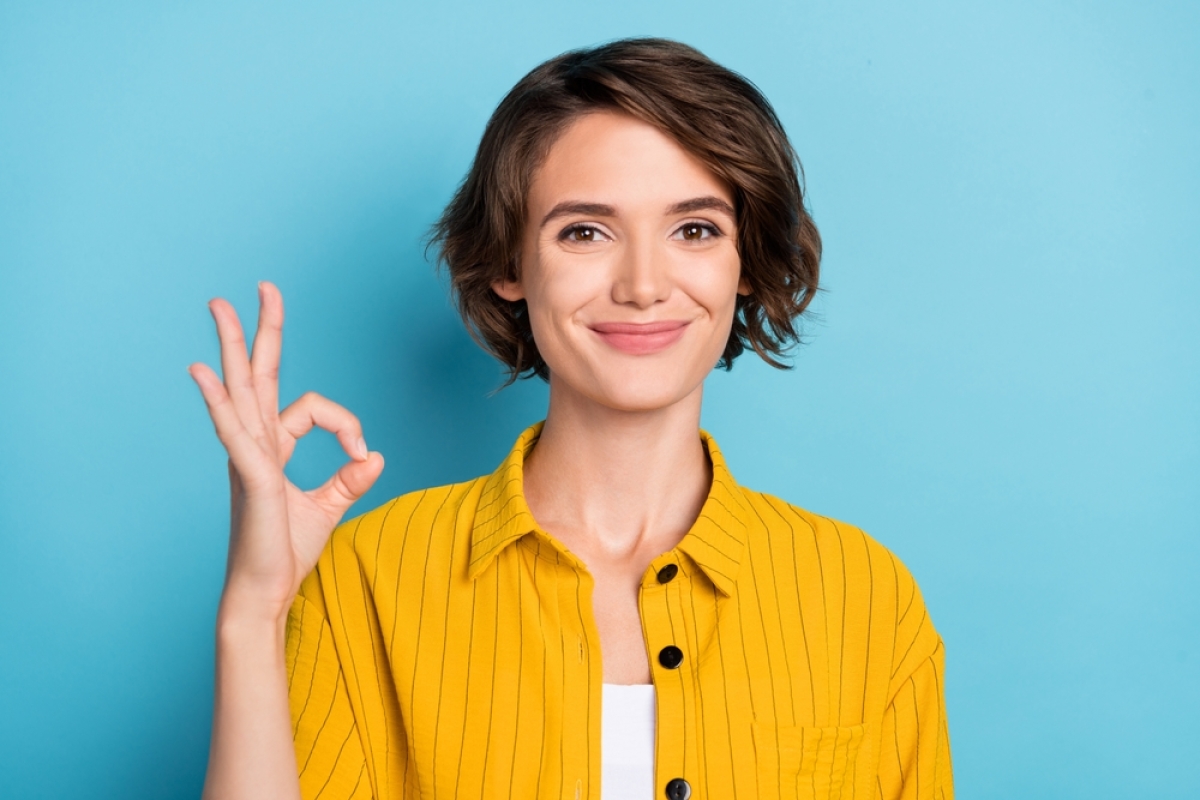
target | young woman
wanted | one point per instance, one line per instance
(609, 614)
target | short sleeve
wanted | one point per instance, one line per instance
(914, 759)
(329, 753)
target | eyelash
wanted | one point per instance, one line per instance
(570, 230)
(712, 230)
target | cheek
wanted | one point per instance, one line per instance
(555, 291)
(715, 285)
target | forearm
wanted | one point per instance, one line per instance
(251, 755)
(277, 535)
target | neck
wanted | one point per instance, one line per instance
(617, 485)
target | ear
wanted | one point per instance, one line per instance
(743, 287)
(511, 291)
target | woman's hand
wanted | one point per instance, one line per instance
(276, 535)
(277, 530)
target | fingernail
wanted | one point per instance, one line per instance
(360, 447)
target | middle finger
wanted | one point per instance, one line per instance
(268, 342)
(236, 366)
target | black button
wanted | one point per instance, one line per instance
(668, 573)
(671, 657)
(679, 789)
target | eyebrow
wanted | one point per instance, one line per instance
(708, 203)
(568, 207)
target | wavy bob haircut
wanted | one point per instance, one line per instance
(715, 114)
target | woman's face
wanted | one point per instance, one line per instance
(629, 265)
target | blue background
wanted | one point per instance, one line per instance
(1002, 384)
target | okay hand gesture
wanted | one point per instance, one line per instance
(277, 530)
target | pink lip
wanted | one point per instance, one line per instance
(640, 339)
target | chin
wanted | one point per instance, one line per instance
(630, 383)
(639, 390)
(639, 402)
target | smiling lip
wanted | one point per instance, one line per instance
(640, 339)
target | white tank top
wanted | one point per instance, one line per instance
(627, 742)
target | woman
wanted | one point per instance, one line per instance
(608, 614)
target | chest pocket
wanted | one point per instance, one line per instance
(807, 763)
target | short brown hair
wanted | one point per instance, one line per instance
(712, 112)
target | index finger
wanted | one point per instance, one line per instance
(314, 411)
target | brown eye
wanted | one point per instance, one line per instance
(696, 232)
(581, 234)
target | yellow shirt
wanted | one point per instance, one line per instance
(445, 646)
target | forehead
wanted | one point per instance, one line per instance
(617, 159)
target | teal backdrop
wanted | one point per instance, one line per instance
(1001, 381)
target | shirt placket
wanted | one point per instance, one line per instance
(672, 667)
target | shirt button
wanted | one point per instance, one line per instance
(671, 657)
(668, 573)
(679, 789)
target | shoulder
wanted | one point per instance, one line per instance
(380, 541)
(833, 539)
(851, 568)
(418, 512)
(835, 552)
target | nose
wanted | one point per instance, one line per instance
(642, 276)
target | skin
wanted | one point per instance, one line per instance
(648, 235)
(277, 532)
(630, 269)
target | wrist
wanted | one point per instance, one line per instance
(240, 617)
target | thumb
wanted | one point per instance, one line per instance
(349, 483)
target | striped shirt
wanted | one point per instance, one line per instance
(445, 647)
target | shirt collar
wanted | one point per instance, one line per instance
(715, 542)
